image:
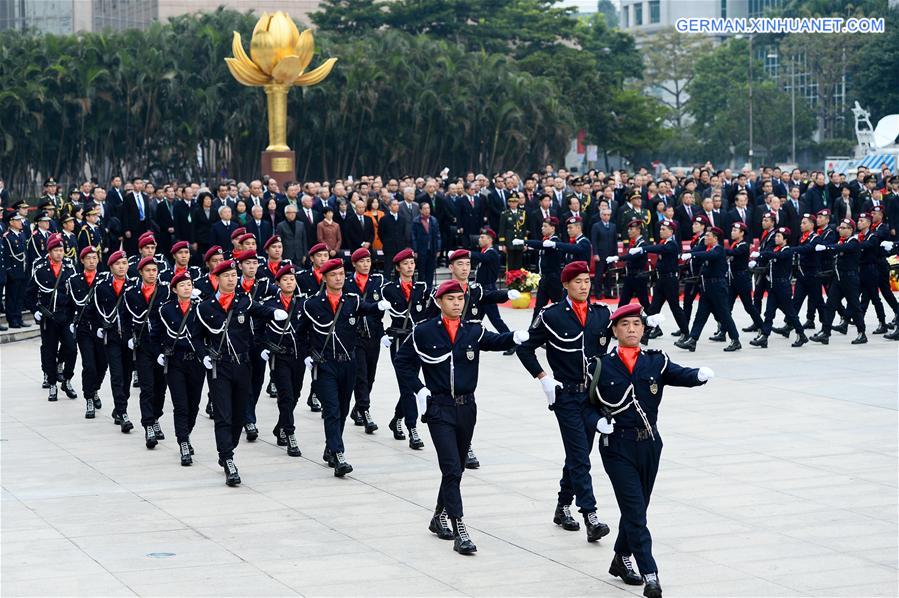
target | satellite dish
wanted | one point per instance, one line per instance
(886, 131)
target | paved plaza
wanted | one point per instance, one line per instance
(778, 478)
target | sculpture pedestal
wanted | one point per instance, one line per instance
(280, 166)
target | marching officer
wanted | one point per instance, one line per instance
(738, 275)
(692, 283)
(48, 293)
(369, 329)
(572, 331)
(15, 263)
(146, 247)
(180, 253)
(272, 264)
(762, 284)
(667, 288)
(808, 284)
(329, 328)
(446, 349)
(828, 236)
(69, 240)
(208, 283)
(870, 258)
(845, 283)
(409, 301)
(627, 385)
(578, 248)
(636, 266)
(225, 319)
(285, 353)
(182, 351)
(91, 234)
(309, 282)
(85, 326)
(549, 264)
(115, 333)
(712, 296)
(486, 273)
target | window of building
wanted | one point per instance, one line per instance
(625, 17)
(723, 9)
(638, 14)
(654, 11)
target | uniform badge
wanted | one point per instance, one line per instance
(240, 318)
(376, 297)
(470, 354)
(654, 388)
(474, 311)
(603, 340)
(418, 307)
(352, 321)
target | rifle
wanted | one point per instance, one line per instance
(216, 355)
(87, 300)
(169, 351)
(320, 357)
(275, 348)
(594, 382)
(398, 332)
(146, 321)
(45, 311)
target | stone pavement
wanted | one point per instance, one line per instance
(779, 478)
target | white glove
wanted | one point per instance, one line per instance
(604, 426)
(655, 320)
(280, 315)
(686, 256)
(264, 355)
(549, 388)
(754, 254)
(887, 245)
(385, 341)
(520, 336)
(635, 250)
(549, 244)
(383, 304)
(705, 374)
(161, 360)
(513, 295)
(820, 248)
(195, 293)
(72, 327)
(752, 263)
(131, 344)
(101, 333)
(611, 259)
(207, 362)
(37, 316)
(517, 242)
(308, 363)
(421, 400)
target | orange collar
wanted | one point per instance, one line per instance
(628, 356)
(452, 327)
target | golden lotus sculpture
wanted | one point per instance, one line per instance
(279, 55)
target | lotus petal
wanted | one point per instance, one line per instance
(241, 56)
(305, 48)
(263, 51)
(262, 23)
(244, 75)
(285, 34)
(317, 75)
(287, 69)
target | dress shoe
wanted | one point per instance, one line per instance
(396, 426)
(893, 336)
(231, 476)
(861, 339)
(808, 325)
(651, 587)
(461, 540)
(621, 567)
(209, 409)
(509, 351)
(356, 417)
(881, 329)
(341, 467)
(675, 333)
(368, 422)
(3, 327)
(800, 340)
(718, 337)
(326, 457)
(563, 517)
(157, 429)
(46, 382)
(97, 402)
(784, 331)
(89, 412)
(186, 458)
(53, 393)
(821, 337)
(440, 525)
(69, 389)
(293, 449)
(656, 332)
(314, 405)
(252, 432)
(752, 328)
(842, 327)
(760, 341)
(471, 460)
(689, 344)
(415, 441)
(134, 382)
(734, 345)
(282, 438)
(150, 437)
(126, 424)
(271, 390)
(596, 529)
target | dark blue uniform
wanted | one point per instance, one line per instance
(369, 330)
(808, 282)
(713, 291)
(404, 314)
(667, 289)
(286, 354)
(762, 284)
(740, 280)
(450, 371)
(48, 295)
(86, 323)
(486, 273)
(144, 316)
(259, 291)
(569, 347)
(780, 295)
(549, 266)
(194, 272)
(636, 276)
(579, 251)
(692, 284)
(882, 270)
(15, 265)
(845, 284)
(870, 269)
(631, 453)
(116, 324)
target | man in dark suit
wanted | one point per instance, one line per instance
(359, 230)
(220, 234)
(741, 212)
(181, 217)
(165, 220)
(310, 217)
(223, 199)
(115, 197)
(395, 233)
(472, 211)
(293, 236)
(135, 215)
(793, 209)
(545, 209)
(496, 202)
(426, 244)
(685, 212)
(604, 238)
(259, 227)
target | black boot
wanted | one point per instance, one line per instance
(563, 517)
(861, 339)
(97, 403)
(718, 337)
(689, 344)
(509, 351)
(656, 333)
(734, 345)
(157, 429)
(440, 525)
(69, 390)
(89, 412)
(282, 437)
(800, 340)
(396, 426)
(209, 413)
(821, 337)
(190, 446)
(471, 461)
(150, 437)
(370, 425)
(46, 382)
(882, 328)
(121, 419)
(356, 417)
(651, 587)
(252, 432)
(186, 459)
(596, 529)
(272, 391)
(293, 449)
(675, 333)
(232, 478)
(893, 336)
(52, 397)
(621, 567)
(326, 457)
(415, 441)
(462, 541)
(341, 467)
(314, 405)
(842, 327)
(752, 328)
(760, 341)
(782, 330)
(808, 325)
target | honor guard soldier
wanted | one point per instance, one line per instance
(870, 258)
(180, 253)
(636, 266)
(487, 272)
(691, 281)
(882, 231)
(91, 234)
(845, 284)
(258, 290)
(268, 269)
(369, 329)
(738, 276)
(285, 353)
(549, 264)
(142, 301)
(235, 236)
(225, 319)
(116, 332)
(572, 331)
(667, 289)
(409, 304)
(146, 247)
(15, 264)
(446, 349)
(208, 283)
(309, 282)
(48, 293)
(578, 248)
(182, 351)
(85, 326)
(762, 284)
(627, 386)
(780, 268)
(828, 236)
(805, 262)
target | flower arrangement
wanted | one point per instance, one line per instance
(522, 280)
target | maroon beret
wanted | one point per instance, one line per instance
(702, 219)
(552, 220)
(332, 264)
(146, 240)
(573, 220)
(785, 231)
(55, 240)
(87, 251)
(244, 237)
(284, 270)
(242, 256)
(359, 254)
(849, 221)
(740, 225)
(769, 215)
(877, 210)
(146, 262)
(176, 247)
(448, 286)
(405, 254)
(240, 230)
(212, 252)
(717, 232)
(317, 248)
(271, 240)
(635, 222)
(824, 212)
(489, 232)
(179, 277)
(631, 310)
(574, 269)
(459, 254)
(224, 267)
(115, 256)
(669, 224)
(864, 215)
